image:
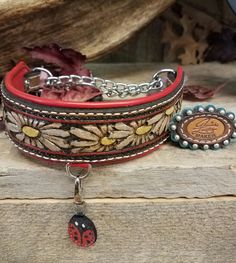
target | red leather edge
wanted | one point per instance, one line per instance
(15, 85)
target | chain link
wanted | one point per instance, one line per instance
(108, 87)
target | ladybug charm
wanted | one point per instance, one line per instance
(82, 230)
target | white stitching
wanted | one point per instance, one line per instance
(87, 161)
(92, 113)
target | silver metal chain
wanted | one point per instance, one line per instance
(108, 87)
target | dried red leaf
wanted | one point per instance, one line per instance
(68, 60)
(195, 92)
(76, 94)
(52, 93)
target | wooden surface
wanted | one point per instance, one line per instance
(93, 27)
(173, 205)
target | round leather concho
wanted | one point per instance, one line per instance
(94, 132)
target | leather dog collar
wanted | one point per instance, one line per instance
(88, 132)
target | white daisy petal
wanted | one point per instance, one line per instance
(93, 129)
(21, 120)
(20, 136)
(101, 149)
(41, 124)
(57, 140)
(139, 122)
(138, 139)
(133, 142)
(123, 127)
(39, 144)
(120, 134)
(76, 150)
(11, 118)
(35, 123)
(18, 118)
(143, 122)
(83, 143)
(12, 127)
(155, 118)
(51, 146)
(163, 125)
(134, 124)
(26, 120)
(55, 125)
(125, 142)
(33, 142)
(151, 136)
(27, 140)
(107, 149)
(167, 124)
(143, 139)
(110, 128)
(157, 126)
(30, 121)
(84, 134)
(56, 132)
(104, 129)
(92, 148)
(170, 110)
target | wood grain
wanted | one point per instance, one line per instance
(172, 206)
(164, 182)
(94, 27)
(141, 231)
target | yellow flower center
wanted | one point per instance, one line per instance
(143, 129)
(107, 141)
(170, 110)
(30, 131)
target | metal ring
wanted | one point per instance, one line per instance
(81, 176)
(167, 70)
(44, 70)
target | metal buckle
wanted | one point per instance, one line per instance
(32, 79)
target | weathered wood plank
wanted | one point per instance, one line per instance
(136, 230)
(155, 230)
(148, 182)
(94, 27)
(169, 172)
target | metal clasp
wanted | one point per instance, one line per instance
(84, 171)
(32, 79)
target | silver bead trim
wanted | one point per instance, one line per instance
(177, 137)
(178, 118)
(195, 146)
(216, 146)
(189, 112)
(226, 142)
(211, 109)
(205, 147)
